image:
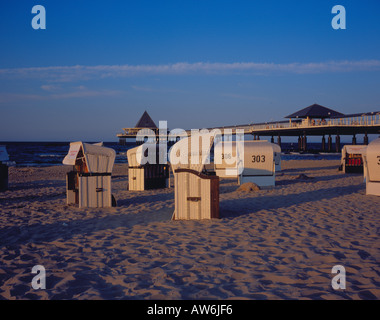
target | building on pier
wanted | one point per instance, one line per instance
(145, 127)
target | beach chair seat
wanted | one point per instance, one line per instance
(351, 160)
(149, 175)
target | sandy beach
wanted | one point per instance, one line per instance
(278, 243)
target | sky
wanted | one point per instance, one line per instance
(99, 65)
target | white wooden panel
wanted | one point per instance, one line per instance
(192, 197)
(91, 192)
(95, 191)
(82, 193)
(70, 199)
(136, 179)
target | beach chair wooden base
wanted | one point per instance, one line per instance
(196, 195)
(148, 177)
(89, 191)
(349, 169)
(373, 188)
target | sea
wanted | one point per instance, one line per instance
(42, 154)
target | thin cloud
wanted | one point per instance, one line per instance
(20, 97)
(155, 90)
(80, 72)
(50, 87)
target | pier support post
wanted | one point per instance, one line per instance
(329, 143)
(366, 139)
(337, 143)
(354, 139)
(299, 143)
(272, 140)
(304, 142)
(323, 144)
(279, 140)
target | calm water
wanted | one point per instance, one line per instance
(24, 154)
(40, 154)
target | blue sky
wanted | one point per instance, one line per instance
(100, 64)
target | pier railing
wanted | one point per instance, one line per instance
(365, 120)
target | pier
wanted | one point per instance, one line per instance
(314, 120)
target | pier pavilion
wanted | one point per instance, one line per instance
(145, 124)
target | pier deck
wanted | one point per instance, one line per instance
(363, 123)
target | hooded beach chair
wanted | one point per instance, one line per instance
(196, 188)
(352, 158)
(89, 183)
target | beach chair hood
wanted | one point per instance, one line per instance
(354, 149)
(192, 152)
(3, 154)
(147, 153)
(256, 160)
(98, 159)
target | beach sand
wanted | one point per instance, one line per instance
(278, 243)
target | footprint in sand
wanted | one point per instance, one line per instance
(363, 254)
